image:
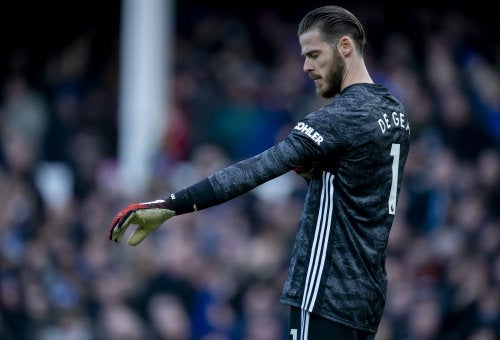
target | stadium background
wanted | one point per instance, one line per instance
(237, 88)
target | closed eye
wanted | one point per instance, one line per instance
(312, 54)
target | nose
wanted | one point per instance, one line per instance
(307, 67)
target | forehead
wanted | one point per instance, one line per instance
(311, 40)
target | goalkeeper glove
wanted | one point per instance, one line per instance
(305, 172)
(148, 216)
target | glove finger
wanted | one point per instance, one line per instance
(137, 236)
(120, 229)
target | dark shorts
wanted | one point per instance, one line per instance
(307, 326)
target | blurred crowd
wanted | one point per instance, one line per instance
(217, 274)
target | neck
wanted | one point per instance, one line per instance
(356, 72)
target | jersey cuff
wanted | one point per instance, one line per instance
(196, 197)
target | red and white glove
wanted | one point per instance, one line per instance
(148, 216)
(305, 172)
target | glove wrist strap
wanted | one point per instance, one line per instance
(196, 197)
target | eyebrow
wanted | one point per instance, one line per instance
(306, 53)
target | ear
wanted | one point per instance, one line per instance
(345, 45)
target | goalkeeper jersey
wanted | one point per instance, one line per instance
(356, 148)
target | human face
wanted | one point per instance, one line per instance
(323, 64)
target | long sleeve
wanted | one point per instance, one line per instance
(243, 176)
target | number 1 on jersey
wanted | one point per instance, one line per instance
(395, 150)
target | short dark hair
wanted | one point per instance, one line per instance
(334, 22)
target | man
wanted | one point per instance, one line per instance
(352, 152)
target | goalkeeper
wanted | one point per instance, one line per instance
(352, 152)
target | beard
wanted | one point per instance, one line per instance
(333, 78)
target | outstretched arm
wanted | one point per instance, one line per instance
(218, 188)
